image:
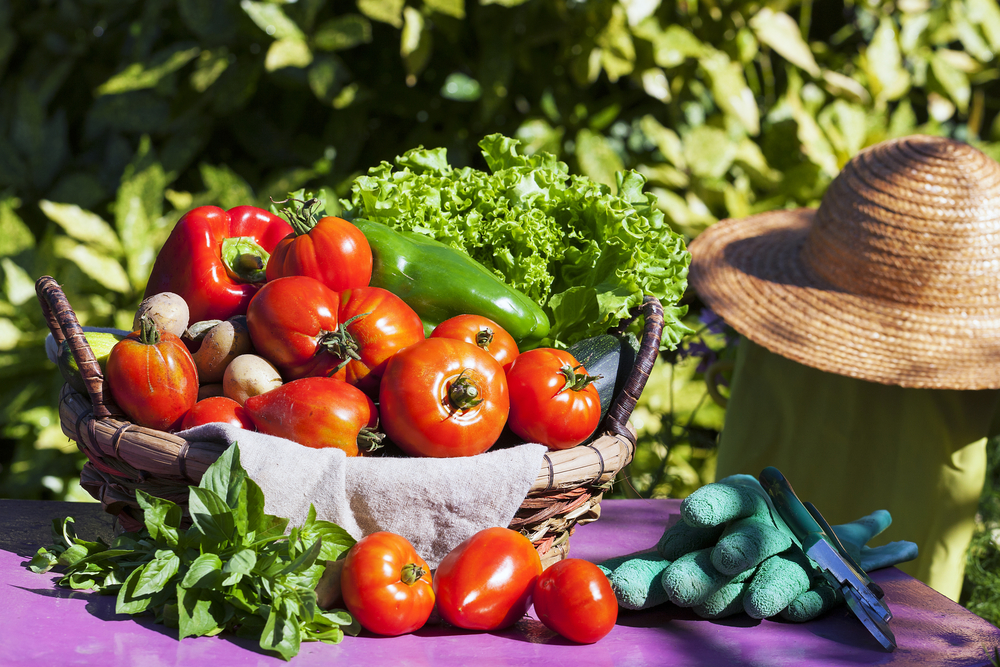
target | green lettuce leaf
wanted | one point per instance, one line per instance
(586, 255)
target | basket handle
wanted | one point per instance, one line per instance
(621, 407)
(65, 326)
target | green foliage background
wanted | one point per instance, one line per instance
(116, 116)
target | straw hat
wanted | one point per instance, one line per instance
(894, 279)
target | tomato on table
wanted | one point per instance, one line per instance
(481, 332)
(486, 582)
(152, 377)
(386, 585)
(552, 399)
(443, 397)
(575, 599)
(217, 409)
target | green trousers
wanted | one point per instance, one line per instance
(852, 447)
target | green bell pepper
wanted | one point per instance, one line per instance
(439, 282)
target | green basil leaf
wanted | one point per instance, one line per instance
(194, 612)
(305, 559)
(128, 602)
(42, 561)
(204, 572)
(335, 539)
(239, 565)
(162, 517)
(73, 555)
(281, 633)
(211, 515)
(157, 573)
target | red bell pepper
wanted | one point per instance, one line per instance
(216, 260)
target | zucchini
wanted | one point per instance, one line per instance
(100, 344)
(609, 357)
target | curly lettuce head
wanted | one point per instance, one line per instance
(585, 255)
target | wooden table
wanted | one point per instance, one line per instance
(42, 625)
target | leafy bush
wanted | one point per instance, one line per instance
(118, 115)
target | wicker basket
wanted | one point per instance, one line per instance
(123, 457)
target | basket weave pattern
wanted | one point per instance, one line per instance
(123, 457)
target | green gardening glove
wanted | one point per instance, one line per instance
(730, 552)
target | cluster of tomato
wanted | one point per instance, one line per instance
(486, 583)
(345, 362)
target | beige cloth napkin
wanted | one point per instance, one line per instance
(435, 503)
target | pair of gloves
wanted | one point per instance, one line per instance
(732, 553)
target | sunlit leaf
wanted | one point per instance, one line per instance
(15, 236)
(813, 141)
(666, 140)
(83, 225)
(343, 32)
(96, 265)
(884, 62)
(386, 11)
(414, 43)
(454, 8)
(655, 83)
(596, 158)
(842, 85)
(781, 32)
(986, 14)
(730, 90)
(617, 49)
(208, 68)
(138, 76)
(271, 18)
(291, 52)
(954, 82)
(708, 151)
(19, 286)
(461, 87)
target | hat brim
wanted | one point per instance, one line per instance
(749, 272)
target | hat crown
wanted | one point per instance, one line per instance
(914, 220)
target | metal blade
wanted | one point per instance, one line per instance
(871, 619)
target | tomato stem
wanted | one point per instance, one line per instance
(411, 574)
(303, 218)
(149, 333)
(574, 380)
(484, 337)
(341, 343)
(463, 393)
(369, 439)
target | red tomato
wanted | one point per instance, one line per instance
(552, 399)
(217, 409)
(574, 598)
(386, 585)
(291, 322)
(375, 324)
(332, 250)
(482, 332)
(152, 377)
(317, 412)
(486, 582)
(443, 397)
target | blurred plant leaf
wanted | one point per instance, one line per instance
(18, 285)
(289, 52)
(15, 237)
(271, 18)
(730, 90)
(709, 152)
(138, 76)
(97, 266)
(83, 226)
(385, 11)
(453, 8)
(343, 32)
(414, 44)
(953, 81)
(597, 159)
(781, 32)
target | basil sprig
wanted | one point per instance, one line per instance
(234, 569)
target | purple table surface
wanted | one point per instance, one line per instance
(41, 624)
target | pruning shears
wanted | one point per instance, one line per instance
(864, 597)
